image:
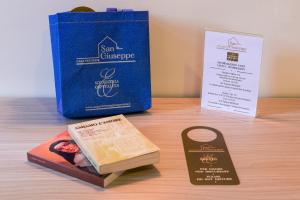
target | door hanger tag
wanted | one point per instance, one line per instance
(208, 163)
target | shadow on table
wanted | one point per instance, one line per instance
(130, 176)
(31, 111)
(40, 111)
(65, 176)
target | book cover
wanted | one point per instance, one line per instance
(113, 143)
(62, 154)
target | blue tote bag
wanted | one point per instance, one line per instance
(101, 62)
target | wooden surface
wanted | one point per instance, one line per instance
(265, 151)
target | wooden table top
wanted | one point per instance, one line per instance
(265, 151)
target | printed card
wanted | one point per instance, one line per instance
(231, 72)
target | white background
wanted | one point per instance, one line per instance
(177, 30)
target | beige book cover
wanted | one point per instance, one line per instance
(113, 144)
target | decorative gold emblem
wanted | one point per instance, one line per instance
(231, 56)
(209, 159)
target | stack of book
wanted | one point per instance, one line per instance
(97, 151)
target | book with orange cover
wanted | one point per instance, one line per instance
(62, 154)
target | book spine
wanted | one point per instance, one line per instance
(69, 171)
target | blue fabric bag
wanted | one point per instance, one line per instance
(101, 62)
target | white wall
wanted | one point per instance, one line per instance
(176, 42)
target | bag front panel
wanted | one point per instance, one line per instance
(105, 67)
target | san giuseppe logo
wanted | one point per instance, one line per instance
(232, 45)
(108, 52)
(107, 85)
(209, 148)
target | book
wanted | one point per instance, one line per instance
(113, 144)
(62, 154)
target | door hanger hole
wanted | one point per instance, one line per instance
(202, 135)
